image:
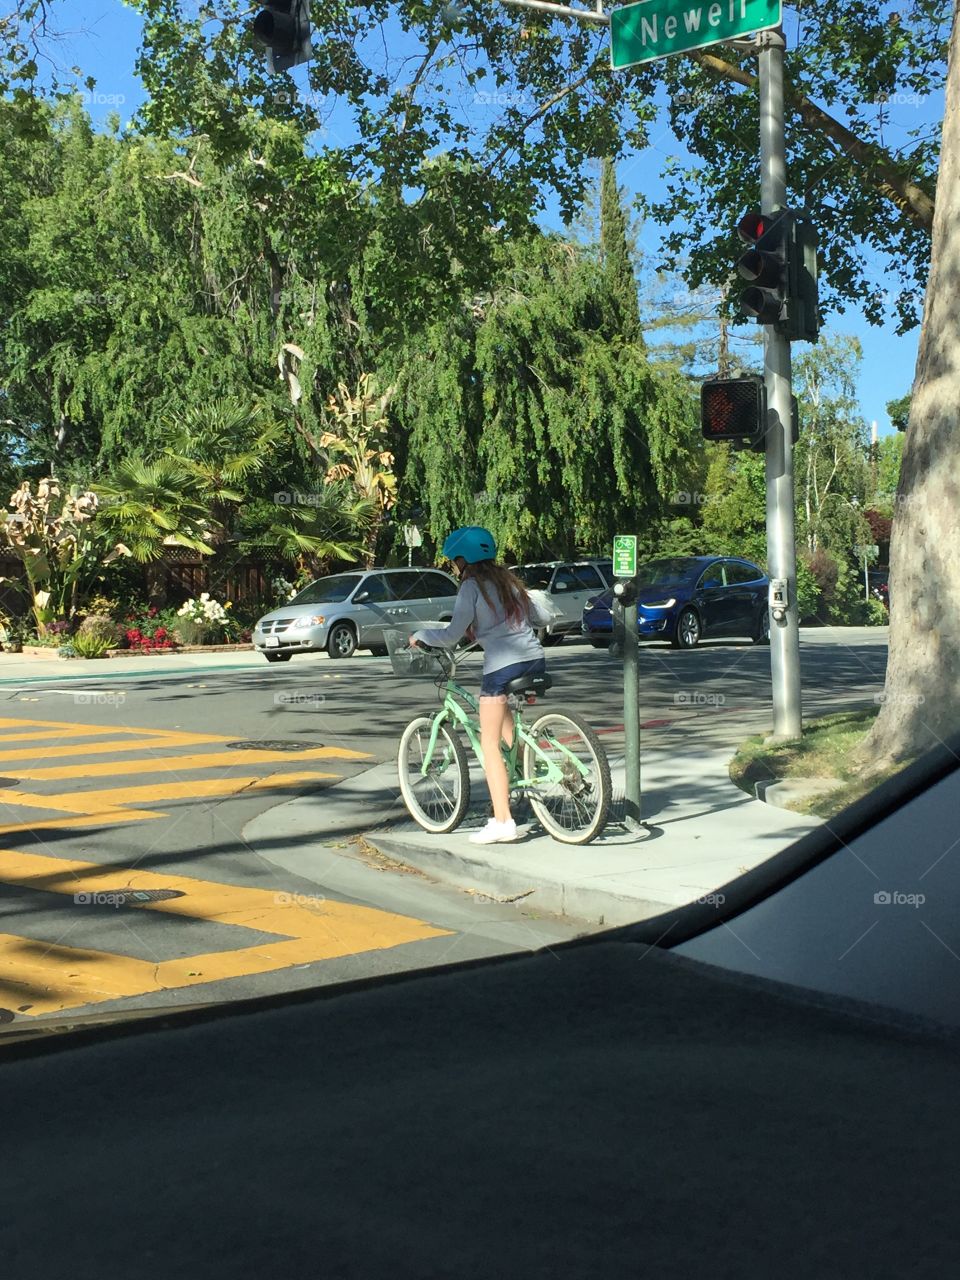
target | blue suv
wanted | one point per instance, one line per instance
(686, 599)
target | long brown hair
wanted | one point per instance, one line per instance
(512, 594)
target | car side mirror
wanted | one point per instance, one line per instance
(559, 586)
(361, 596)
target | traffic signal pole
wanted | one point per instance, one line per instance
(781, 544)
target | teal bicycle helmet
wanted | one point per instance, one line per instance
(473, 544)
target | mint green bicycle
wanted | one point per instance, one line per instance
(557, 762)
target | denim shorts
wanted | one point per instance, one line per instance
(494, 682)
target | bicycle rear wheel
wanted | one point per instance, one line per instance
(574, 808)
(438, 798)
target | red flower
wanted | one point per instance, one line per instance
(159, 633)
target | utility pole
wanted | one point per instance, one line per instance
(781, 546)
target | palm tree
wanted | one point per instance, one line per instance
(148, 506)
(223, 445)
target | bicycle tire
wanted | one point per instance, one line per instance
(587, 802)
(448, 808)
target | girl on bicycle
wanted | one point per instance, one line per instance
(494, 607)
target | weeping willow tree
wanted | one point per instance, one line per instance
(533, 414)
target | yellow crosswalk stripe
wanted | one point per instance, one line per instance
(115, 798)
(68, 729)
(182, 764)
(118, 746)
(54, 977)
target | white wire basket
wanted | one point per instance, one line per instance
(414, 664)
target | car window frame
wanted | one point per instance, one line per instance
(362, 586)
(451, 587)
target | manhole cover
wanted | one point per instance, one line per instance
(271, 744)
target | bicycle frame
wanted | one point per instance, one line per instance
(452, 710)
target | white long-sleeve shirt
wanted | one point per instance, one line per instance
(503, 642)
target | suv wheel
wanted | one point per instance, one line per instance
(687, 634)
(342, 641)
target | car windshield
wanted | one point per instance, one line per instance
(666, 573)
(536, 576)
(327, 590)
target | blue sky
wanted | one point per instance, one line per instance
(102, 38)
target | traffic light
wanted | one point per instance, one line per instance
(734, 409)
(781, 267)
(804, 298)
(766, 265)
(283, 27)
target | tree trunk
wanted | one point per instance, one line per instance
(921, 704)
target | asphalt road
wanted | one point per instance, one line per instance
(125, 879)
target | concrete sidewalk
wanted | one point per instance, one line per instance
(703, 833)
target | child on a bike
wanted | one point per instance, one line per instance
(495, 608)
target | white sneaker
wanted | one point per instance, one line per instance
(495, 833)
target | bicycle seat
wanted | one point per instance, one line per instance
(529, 684)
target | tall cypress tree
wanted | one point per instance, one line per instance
(615, 258)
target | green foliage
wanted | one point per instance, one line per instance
(899, 411)
(808, 592)
(98, 626)
(562, 436)
(87, 644)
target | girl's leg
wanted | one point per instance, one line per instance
(493, 714)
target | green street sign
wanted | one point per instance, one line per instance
(625, 555)
(657, 28)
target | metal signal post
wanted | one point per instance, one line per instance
(781, 544)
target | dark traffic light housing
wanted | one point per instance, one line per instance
(283, 28)
(781, 268)
(734, 409)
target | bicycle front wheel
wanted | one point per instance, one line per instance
(437, 796)
(572, 808)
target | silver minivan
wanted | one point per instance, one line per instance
(350, 611)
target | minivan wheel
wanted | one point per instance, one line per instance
(687, 634)
(278, 657)
(547, 639)
(342, 641)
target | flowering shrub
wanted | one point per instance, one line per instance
(204, 612)
(148, 630)
(197, 619)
